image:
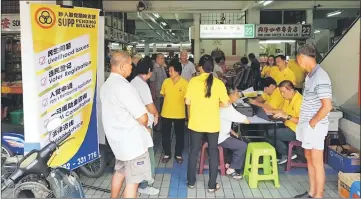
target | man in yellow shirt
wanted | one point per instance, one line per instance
(173, 89)
(282, 72)
(299, 72)
(271, 99)
(290, 113)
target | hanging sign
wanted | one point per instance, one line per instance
(10, 23)
(227, 31)
(65, 52)
(279, 31)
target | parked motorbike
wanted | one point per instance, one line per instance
(34, 179)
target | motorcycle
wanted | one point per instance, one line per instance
(34, 179)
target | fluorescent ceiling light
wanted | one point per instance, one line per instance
(333, 13)
(260, 2)
(173, 33)
(156, 15)
(317, 31)
(303, 22)
(163, 23)
(276, 41)
(152, 19)
(266, 3)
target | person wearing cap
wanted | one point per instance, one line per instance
(205, 94)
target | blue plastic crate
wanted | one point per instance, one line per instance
(340, 162)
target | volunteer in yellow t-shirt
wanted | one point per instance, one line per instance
(267, 68)
(271, 99)
(290, 113)
(299, 72)
(173, 89)
(282, 72)
(205, 95)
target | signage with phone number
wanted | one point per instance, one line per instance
(65, 65)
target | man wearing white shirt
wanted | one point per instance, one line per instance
(188, 68)
(143, 73)
(238, 147)
(125, 121)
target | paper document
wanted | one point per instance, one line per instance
(250, 89)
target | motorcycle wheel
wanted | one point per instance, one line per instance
(32, 190)
(95, 169)
(6, 152)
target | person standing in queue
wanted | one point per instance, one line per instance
(135, 60)
(173, 111)
(188, 68)
(156, 81)
(313, 123)
(143, 73)
(205, 95)
(256, 71)
(125, 121)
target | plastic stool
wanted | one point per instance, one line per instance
(355, 190)
(221, 167)
(289, 159)
(270, 167)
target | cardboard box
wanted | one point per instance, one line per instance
(341, 162)
(345, 181)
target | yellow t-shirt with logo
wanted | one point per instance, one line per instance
(300, 73)
(275, 100)
(174, 104)
(265, 70)
(279, 76)
(204, 112)
(293, 108)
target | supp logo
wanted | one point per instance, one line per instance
(45, 17)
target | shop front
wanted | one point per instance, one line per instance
(282, 39)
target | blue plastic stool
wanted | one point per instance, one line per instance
(355, 189)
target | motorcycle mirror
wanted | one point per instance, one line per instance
(53, 124)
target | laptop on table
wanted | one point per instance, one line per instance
(261, 113)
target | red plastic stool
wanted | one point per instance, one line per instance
(289, 159)
(203, 159)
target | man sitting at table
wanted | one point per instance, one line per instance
(290, 113)
(238, 147)
(271, 99)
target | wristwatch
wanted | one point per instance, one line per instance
(289, 117)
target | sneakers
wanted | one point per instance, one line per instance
(284, 159)
(149, 190)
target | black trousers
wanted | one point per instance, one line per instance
(300, 90)
(195, 146)
(179, 135)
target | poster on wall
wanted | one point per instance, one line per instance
(279, 31)
(65, 52)
(226, 31)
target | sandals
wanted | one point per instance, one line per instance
(179, 159)
(214, 190)
(235, 175)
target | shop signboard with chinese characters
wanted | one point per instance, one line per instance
(227, 31)
(10, 23)
(64, 61)
(279, 31)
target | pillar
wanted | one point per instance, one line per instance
(309, 20)
(146, 48)
(252, 45)
(197, 42)
(154, 48)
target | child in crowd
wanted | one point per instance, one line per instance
(238, 147)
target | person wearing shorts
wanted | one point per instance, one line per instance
(313, 123)
(125, 122)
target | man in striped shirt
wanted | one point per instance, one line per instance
(313, 123)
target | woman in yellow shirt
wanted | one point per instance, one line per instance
(290, 113)
(205, 95)
(270, 64)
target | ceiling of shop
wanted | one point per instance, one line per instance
(170, 20)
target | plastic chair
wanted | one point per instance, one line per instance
(202, 165)
(290, 163)
(270, 167)
(355, 190)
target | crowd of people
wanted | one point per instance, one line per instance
(145, 94)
